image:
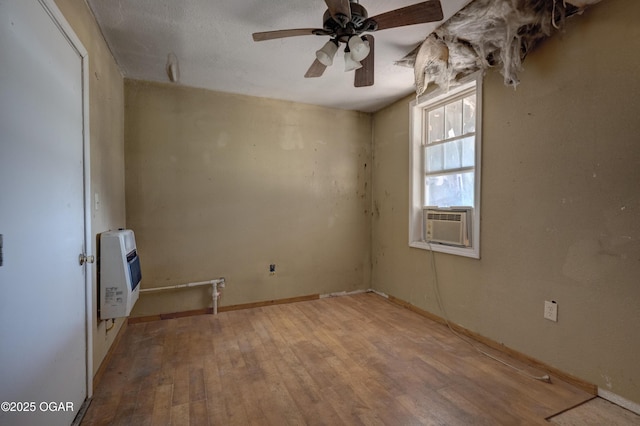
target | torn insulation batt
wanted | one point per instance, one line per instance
(487, 33)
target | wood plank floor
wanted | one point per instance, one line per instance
(597, 412)
(352, 360)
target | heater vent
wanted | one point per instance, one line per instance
(120, 273)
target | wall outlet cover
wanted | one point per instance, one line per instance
(551, 310)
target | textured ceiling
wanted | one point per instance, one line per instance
(212, 42)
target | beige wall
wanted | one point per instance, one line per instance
(224, 185)
(561, 203)
(106, 121)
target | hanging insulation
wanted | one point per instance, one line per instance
(487, 33)
(432, 59)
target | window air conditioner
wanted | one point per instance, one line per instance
(450, 226)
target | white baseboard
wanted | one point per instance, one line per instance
(342, 293)
(349, 293)
(379, 293)
(618, 400)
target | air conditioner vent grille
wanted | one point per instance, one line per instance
(448, 226)
(455, 217)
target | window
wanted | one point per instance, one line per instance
(445, 160)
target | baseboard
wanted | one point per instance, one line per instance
(379, 293)
(77, 420)
(618, 400)
(268, 303)
(575, 381)
(171, 315)
(417, 310)
(159, 317)
(351, 293)
(343, 293)
(105, 361)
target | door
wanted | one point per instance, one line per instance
(43, 334)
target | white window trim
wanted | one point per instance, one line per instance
(416, 172)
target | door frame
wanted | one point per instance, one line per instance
(65, 28)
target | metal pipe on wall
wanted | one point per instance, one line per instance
(214, 283)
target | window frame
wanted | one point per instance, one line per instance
(417, 166)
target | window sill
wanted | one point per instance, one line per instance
(472, 252)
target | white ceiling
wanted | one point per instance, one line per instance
(212, 41)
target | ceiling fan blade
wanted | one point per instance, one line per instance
(420, 13)
(340, 11)
(364, 75)
(270, 35)
(316, 69)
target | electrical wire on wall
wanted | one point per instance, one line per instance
(543, 378)
(113, 324)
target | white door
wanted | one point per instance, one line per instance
(43, 339)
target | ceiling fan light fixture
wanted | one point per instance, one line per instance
(344, 21)
(359, 48)
(327, 53)
(350, 64)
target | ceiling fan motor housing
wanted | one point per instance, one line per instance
(358, 24)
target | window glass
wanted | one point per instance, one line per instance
(449, 150)
(453, 118)
(469, 114)
(452, 151)
(468, 152)
(436, 125)
(450, 190)
(434, 158)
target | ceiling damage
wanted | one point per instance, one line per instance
(487, 33)
(208, 44)
(211, 47)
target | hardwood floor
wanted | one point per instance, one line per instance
(345, 360)
(597, 412)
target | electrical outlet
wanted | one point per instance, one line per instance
(551, 310)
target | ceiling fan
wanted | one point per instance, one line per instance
(345, 21)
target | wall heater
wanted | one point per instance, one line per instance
(120, 273)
